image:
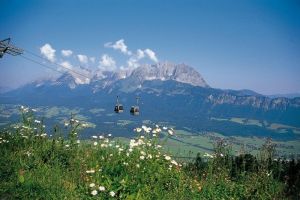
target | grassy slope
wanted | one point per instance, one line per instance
(35, 166)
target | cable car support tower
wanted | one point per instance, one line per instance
(7, 48)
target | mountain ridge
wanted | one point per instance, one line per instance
(154, 79)
(159, 97)
(101, 79)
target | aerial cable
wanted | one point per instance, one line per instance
(39, 63)
(7, 48)
(46, 66)
(55, 63)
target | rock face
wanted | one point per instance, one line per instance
(170, 79)
(131, 79)
(260, 102)
(168, 91)
(167, 71)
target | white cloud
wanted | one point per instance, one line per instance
(151, 55)
(67, 65)
(107, 63)
(119, 45)
(48, 52)
(134, 58)
(83, 59)
(133, 61)
(66, 53)
(140, 54)
(80, 75)
(92, 59)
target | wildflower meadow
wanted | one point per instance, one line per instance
(59, 165)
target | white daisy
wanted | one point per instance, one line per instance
(101, 188)
(92, 185)
(94, 192)
(167, 157)
(112, 193)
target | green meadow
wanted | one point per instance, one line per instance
(36, 164)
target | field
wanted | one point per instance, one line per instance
(40, 165)
(280, 128)
(187, 143)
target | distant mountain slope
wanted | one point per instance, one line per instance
(173, 93)
(166, 71)
(289, 95)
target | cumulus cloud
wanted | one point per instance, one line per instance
(140, 54)
(67, 65)
(107, 63)
(92, 59)
(66, 53)
(134, 58)
(83, 59)
(79, 74)
(48, 52)
(151, 55)
(119, 45)
(133, 61)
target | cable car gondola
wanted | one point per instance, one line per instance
(118, 107)
(135, 110)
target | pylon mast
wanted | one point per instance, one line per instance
(6, 47)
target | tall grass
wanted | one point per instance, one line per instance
(224, 176)
(37, 165)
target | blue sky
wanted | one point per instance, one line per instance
(246, 44)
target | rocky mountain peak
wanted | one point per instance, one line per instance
(135, 77)
(168, 71)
